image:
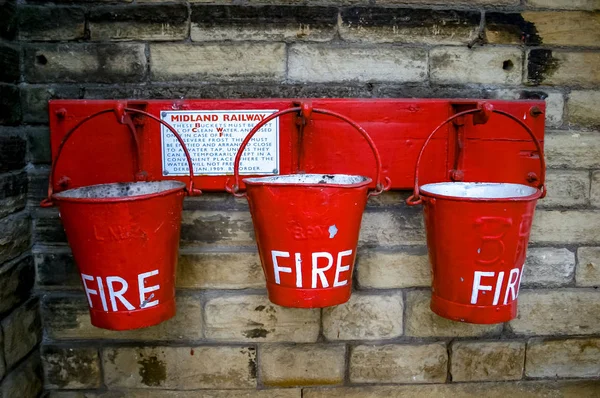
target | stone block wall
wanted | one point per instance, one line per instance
(20, 320)
(227, 340)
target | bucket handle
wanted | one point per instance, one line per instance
(486, 109)
(119, 110)
(306, 109)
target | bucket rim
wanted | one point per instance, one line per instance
(269, 181)
(425, 190)
(177, 186)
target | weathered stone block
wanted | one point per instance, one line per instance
(10, 63)
(588, 266)
(301, 365)
(554, 28)
(383, 270)
(445, 2)
(16, 282)
(157, 22)
(38, 141)
(564, 227)
(67, 317)
(85, 62)
(255, 318)
(563, 358)
(560, 67)
(217, 228)
(573, 149)
(365, 317)
(150, 393)
(13, 150)
(34, 99)
(581, 108)
(487, 361)
(557, 312)
(402, 226)
(10, 106)
(51, 23)
(263, 22)
(322, 64)
(568, 187)
(406, 25)
(15, 235)
(220, 271)
(13, 192)
(218, 62)
(548, 266)
(22, 331)
(182, 368)
(24, 381)
(579, 389)
(2, 363)
(565, 4)
(67, 368)
(426, 363)
(48, 228)
(422, 322)
(56, 269)
(485, 65)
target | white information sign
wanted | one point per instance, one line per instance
(213, 139)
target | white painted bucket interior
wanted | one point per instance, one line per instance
(479, 190)
(309, 179)
(120, 190)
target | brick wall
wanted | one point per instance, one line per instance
(227, 339)
(20, 321)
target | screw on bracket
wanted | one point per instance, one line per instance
(61, 113)
(535, 111)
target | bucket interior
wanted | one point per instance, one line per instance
(479, 190)
(120, 190)
(310, 179)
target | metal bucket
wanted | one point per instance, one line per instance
(477, 237)
(125, 241)
(307, 228)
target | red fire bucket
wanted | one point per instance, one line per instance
(125, 241)
(477, 236)
(307, 226)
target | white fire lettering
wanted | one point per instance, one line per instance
(512, 285)
(321, 263)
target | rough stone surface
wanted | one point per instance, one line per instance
(563, 358)
(13, 192)
(15, 236)
(561, 67)
(557, 312)
(51, 23)
(581, 109)
(301, 365)
(216, 62)
(487, 361)
(422, 322)
(425, 363)
(38, 142)
(549, 28)
(13, 150)
(217, 228)
(572, 149)
(220, 271)
(67, 317)
(56, 269)
(2, 363)
(10, 107)
(588, 266)
(25, 381)
(255, 318)
(22, 331)
(565, 4)
(156, 22)
(548, 267)
(68, 368)
(405, 25)
(484, 65)
(321, 64)
(85, 62)
(365, 317)
(383, 270)
(263, 23)
(392, 228)
(10, 63)
(180, 367)
(568, 187)
(148, 393)
(16, 282)
(595, 190)
(565, 227)
(34, 99)
(525, 389)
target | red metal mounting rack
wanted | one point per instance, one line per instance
(103, 150)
